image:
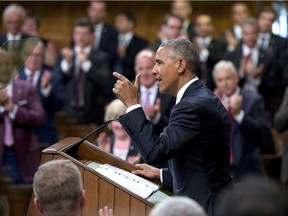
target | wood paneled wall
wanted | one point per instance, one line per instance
(57, 17)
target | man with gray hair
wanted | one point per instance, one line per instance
(196, 140)
(58, 189)
(13, 17)
(247, 113)
(177, 206)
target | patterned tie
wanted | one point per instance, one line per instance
(8, 135)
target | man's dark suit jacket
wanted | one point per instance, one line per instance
(271, 84)
(167, 103)
(54, 102)
(30, 114)
(247, 136)
(109, 42)
(3, 37)
(216, 53)
(195, 143)
(96, 88)
(136, 44)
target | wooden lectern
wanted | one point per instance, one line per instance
(100, 190)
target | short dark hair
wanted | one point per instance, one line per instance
(84, 22)
(267, 10)
(183, 49)
(129, 16)
(254, 196)
(168, 16)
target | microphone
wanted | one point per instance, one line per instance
(96, 130)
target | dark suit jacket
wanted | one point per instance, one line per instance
(216, 53)
(155, 46)
(109, 42)
(48, 134)
(3, 37)
(30, 114)
(136, 44)
(96, 88)
(195, 143)
(247, 136)
(167, 103)
(271, 84)
(281, 125)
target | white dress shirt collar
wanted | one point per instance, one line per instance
(183, 89)
(13, 37)
(35, 76)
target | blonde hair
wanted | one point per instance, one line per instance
(114, 109)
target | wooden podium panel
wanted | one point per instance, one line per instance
(100, 190)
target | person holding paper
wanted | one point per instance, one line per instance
(196, 141)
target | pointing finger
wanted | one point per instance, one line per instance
(120, 76)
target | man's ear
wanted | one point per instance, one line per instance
(37, 204)
(181, 65)
(83, 199)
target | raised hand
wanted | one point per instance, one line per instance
(125, 90)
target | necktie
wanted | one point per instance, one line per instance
(79, 98)
(30, 78)
(146, 101)
(231, 135)
(8, 134)
(262, 45)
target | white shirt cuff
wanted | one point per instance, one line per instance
(135, 106)
(239, 118)
(13, 113)
(161, 176)
(86, 65)
(46, 91)
(65, 66)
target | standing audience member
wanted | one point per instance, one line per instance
(273, 44)
(58, 189)
(13, 17)
(170, 28)
(232, 36)
(20, 112)
(247, 113)
(255, 196)
(119, 143)
(50, 90)
(157, 106)
(256, 68)
(177, 206)
(281, 125)
(129, 44)
(196, 139)
(184, 10)
(31, 26)
(105, 35)
(86, 75)
(210, 50)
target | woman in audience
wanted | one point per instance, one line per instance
(119, 143)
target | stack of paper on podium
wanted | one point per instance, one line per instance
(131, 182)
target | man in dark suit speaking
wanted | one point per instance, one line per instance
(196, 141)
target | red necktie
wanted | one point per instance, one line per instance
(231, 135)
